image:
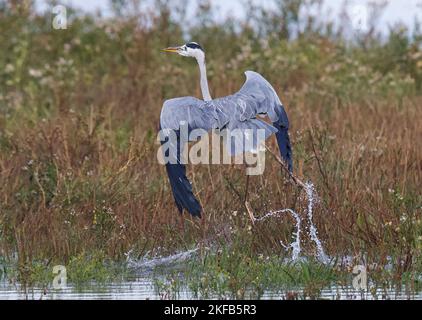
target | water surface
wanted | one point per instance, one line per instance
(143, 288)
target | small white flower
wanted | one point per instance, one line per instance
(9, 68)
(35, 73)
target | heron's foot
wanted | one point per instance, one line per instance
(250, 212)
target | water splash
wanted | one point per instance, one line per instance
(295, 245)
(150, 264)
(313, 232)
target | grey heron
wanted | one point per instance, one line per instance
(239, 110)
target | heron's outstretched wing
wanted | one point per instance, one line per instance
(257, 96)
(176, 114)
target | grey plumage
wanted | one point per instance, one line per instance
(237, 111)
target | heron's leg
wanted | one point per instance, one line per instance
(247, 205)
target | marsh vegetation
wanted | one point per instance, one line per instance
(80, 184)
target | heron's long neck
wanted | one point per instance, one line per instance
(204, 81)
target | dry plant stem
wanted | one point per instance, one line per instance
(181, 222)
(237, 193)
(247, 205)
(246, 188)
(250, 212)
(320, 167)
(292, 177)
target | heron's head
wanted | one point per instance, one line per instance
(190, 49)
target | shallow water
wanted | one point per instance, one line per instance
(143, 289)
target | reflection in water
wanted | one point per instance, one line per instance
(143, 289)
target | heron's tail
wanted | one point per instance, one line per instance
(180, 185)
(283, 140)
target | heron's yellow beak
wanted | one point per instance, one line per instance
(172, 49)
